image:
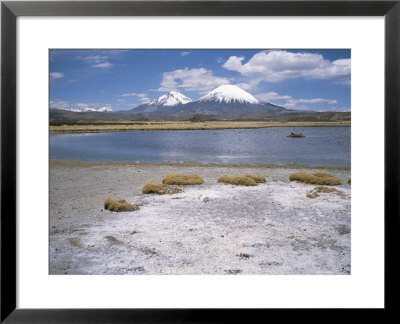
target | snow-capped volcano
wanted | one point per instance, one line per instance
(172, 98)
(226, 100)
(229, 94)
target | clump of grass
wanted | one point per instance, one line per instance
(320, 178)
(237, 181)
(119, 205)
(151, 187)
(322, 189)
(256, 178)
(312, 195)
(160, 189)
(349, 181)
(112, 240)
(181, 179)
(246, 180)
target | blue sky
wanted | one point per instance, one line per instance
(123, 79)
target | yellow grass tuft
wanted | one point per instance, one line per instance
(160, 189)
(119, 205)
(180, 179)
(312, 195)
(225, 178)
(322, 189)
(320, 178)
(237, 181)
(256, 178)
(151, 187)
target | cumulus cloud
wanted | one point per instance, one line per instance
(292, 103)
(244, 86)
(142, 96)
(97, 61)
(302, 103)
(102, 65)
(81, 105)
(272, 96)
(341, 109)
(275, 66)
(191, 80)
(314, 101)
(63, 104)
(56, 75)
(59, 104)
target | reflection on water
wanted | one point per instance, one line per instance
(321, 146)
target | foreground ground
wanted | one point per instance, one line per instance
(212, 228)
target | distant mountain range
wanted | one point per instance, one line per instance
(224, 100)
(227, 102)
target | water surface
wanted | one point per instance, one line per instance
(327, 146)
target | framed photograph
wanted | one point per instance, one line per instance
(163, 158)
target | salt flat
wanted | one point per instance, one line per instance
(212, 228)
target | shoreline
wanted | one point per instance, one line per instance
(100, 127)
(61, 163)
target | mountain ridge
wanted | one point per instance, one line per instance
(172, 98)
(223, 100)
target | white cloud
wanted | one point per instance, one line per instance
(244, 86)
(272, 96)
(82, 105)
(115, 52)
(291, 102)
(97, 61)
(341, 109)
(142, 96)
(301, 103)
(56, 75)
(59, 104)
(185, 53)
(63, 104)
(102, 65)
(191, 80)
(275, 66)
(314, 101)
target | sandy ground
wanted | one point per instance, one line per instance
(208, 229)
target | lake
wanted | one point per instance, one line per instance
(325, 146)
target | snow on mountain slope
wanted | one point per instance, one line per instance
(229, 94)
(173, 98)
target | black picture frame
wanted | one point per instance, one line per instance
(10, 10)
